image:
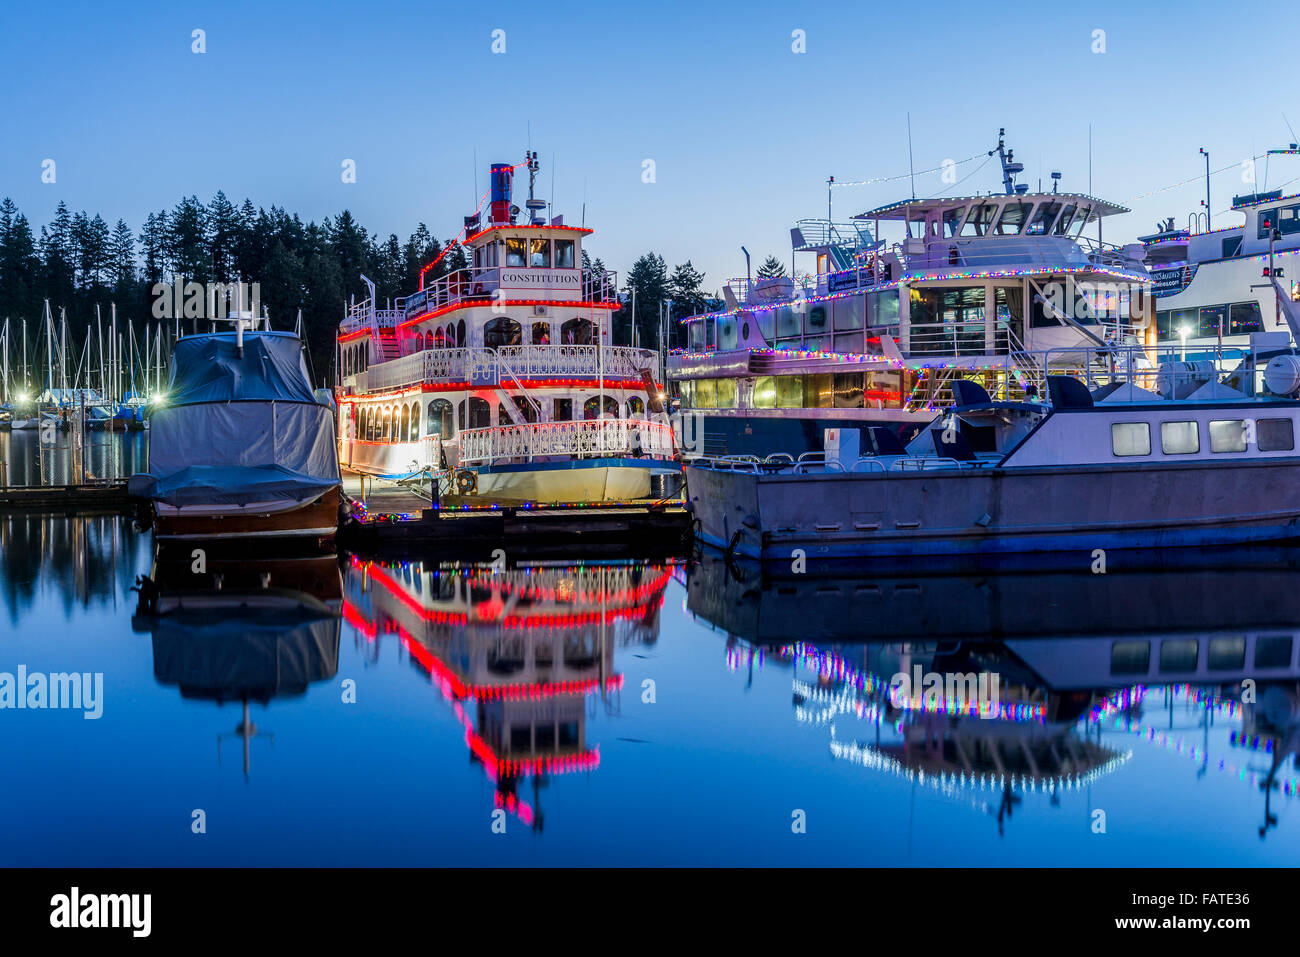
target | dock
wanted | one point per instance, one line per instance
(90, 499)
(395, 520)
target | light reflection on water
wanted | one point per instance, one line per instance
(27, 460)
(346, 711)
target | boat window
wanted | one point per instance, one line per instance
(952, 221)
(1275, 435)
(849, 342)
(564, 254)
(1179, 438)
(1063, 224)
(848, 390)
(576, 332)
(515, 249)
(590, 407)
(1042, 221)
(1130, 438)
(502, 331)
(635, 407)
(1244, 317)
(1267, 220)
(439, 419)
(726, 392)
(788, 322)
(1232, 246)
(562, 410)
(819, 391)
(815, 320)
(1288, 220)
(789, 392)
(1080, 221)
(979, 220)
(404, 426)
(541, 333)
(539, 253)
(414, 432)
(850, 313)
(1226, 654)
(706, 394)
(1013, 218)
(695, 336)
(764, 393)
(1178, 654)
(883, 309)
(480, 413)
(916, 228)
(1130, 657)
(1228, 435)
(1273, 651)
(727, 332)
(1213, 321)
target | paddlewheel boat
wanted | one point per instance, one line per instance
(500, 379)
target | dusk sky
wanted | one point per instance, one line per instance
(742, 130)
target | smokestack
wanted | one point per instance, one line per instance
(502, 176)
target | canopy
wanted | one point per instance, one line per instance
(208, 368)
(230, 485)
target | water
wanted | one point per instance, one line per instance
(626, 714)
(27, 459)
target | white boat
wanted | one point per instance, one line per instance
(908, 298)
(1210, 459)
(500, 379)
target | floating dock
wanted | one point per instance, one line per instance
(398, 520)
(90, 499)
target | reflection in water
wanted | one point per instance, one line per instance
(1089, 668)
(107, 455)
(241, 631)
(518, 654)
(85, 561)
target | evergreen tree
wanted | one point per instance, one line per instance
(187, 241)
(772, 268)
(649, 277)
(223, 236)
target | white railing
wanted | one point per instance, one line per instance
(482, 282)
(637, 438)
(485, 367)
(364, 314)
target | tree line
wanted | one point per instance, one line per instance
(78, 262)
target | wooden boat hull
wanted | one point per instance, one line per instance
(318, 518)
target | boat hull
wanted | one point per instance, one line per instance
(993, 511)
(317, 518)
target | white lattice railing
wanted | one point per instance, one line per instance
(637, 438)
(489, 366)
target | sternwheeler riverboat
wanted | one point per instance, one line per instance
(500, 381)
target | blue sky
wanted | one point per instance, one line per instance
(743, 131)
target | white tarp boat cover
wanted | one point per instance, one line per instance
(239, 429)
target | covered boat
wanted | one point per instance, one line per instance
(243, 448)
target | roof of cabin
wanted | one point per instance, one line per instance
(526, 228)
(908, 208)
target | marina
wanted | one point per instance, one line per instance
(576, 437)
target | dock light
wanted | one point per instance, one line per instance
(24, 396)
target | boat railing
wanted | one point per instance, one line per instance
(365, 314)
(486, 282)
(587, 438)
(487, 366)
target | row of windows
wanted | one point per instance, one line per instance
(400, 421)
(846, 390)
(1050, 217)
(1184, 438)
(503, 331)
(534, 253)
(1181, 655)
(355, 358)
(1206, 322)
(789, 327)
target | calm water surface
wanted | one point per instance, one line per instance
(369, 713)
